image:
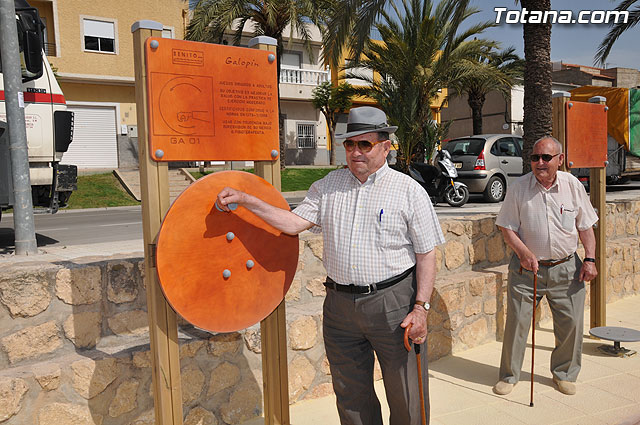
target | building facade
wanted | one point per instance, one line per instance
(90, 46)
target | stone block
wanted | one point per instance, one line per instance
(316, 286)
(478, 251)
(227, 343)
(488, 225)
(293, 294)
(48, 376)
(252, 339)
(79, 286)
(495, 248)
(301, 375)
(315, 244)
(450, 300)
(68, 414)
(244, 403)
(192, 382)
(190, 349)
(142, 359)
(473, 308)
(474, 333)
(319, 391)
(12, 391)
(146, 418)
(490, 306)
(122, 282)
(92, 377)
(454, 255)
(476, 286)
(456, 227)
(125, 399)
(25, 290)
(31, 342)
(83, 329)
(303, 333)
(200, 416)
(226, 375)
(135, 322)
(440, 344)
(438, 259)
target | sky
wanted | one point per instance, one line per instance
(570, 43)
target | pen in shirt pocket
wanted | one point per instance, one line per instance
(380, 215)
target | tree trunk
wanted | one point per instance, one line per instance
(332, 141)
(476, 102)
(537, 80)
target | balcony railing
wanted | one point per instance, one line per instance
(307, 77)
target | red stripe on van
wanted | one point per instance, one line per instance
(40, 98)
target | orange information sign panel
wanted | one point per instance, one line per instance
(586, 135)
(211, 102)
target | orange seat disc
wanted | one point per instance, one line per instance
(224, 271)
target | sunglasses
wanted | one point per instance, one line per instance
(364, 145)
(545, 157)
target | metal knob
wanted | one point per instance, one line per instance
(271, 57)
(230, 236)
(226, 273)
(250, 264)
(570, 163)
(159, 153)
(154, 44)
(274, 154)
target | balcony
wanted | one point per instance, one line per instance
(306, 77)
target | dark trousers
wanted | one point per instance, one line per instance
(356, 326)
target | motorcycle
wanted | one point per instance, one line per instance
(438, 180)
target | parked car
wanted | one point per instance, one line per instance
(487, 163)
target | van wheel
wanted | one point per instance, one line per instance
(495, 190)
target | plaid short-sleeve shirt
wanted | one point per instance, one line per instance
(372, 230)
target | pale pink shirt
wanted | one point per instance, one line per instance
(372, 230)
(547, 220)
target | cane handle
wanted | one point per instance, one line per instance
(407, 345)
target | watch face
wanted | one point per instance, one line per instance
(427, 306)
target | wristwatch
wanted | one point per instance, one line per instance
(589, 259)
(423, 304)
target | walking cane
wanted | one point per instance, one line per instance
(407, 345)
(533, 331)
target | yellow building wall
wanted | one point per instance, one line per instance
(72, 59)
(124, 95)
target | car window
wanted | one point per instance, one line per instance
(506, 147)
(465, 146)
(520, 142)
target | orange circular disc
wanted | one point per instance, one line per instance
(224, 271)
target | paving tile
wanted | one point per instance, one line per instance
(581, 420)
(547, 410)
(625, 385)
(483, 415)
(629, 415)
(592, 400)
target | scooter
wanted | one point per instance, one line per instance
(438, 180)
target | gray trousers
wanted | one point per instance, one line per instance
(565, 294)
(354, 326)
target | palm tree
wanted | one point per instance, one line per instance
(617, 29)
(491, 71)
(421, 52)
(538, 118)
(212, 18)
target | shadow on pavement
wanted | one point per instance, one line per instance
(7, 241)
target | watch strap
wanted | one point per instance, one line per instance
(589, 259)
(423, 304)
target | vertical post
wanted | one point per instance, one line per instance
(154, 185)
(558, 102)
(598, 194)
(273, 328)
(25, 231)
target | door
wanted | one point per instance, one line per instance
(94, 142)
(509, 157)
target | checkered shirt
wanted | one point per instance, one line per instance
(372, 230)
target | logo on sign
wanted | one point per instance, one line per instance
(187, 57)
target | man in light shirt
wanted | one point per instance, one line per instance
(379, 232)
(541, 219)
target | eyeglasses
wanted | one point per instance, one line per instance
(365, 146)
(545, 157)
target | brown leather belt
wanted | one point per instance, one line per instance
(551, 263)
(367, 289)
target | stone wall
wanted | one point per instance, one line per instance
(74, 343)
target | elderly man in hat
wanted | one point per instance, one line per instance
(379, 232)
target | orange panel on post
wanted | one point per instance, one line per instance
(211, 102)
(586, 135)
(224, 271)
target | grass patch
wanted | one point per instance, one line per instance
(99, 191)
(292, 179)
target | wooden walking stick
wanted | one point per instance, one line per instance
(407, 345)
(533, 331)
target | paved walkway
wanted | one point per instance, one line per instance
(460, 386)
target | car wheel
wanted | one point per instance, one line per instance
(495, 190)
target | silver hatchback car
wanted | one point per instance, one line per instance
(487, 163)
